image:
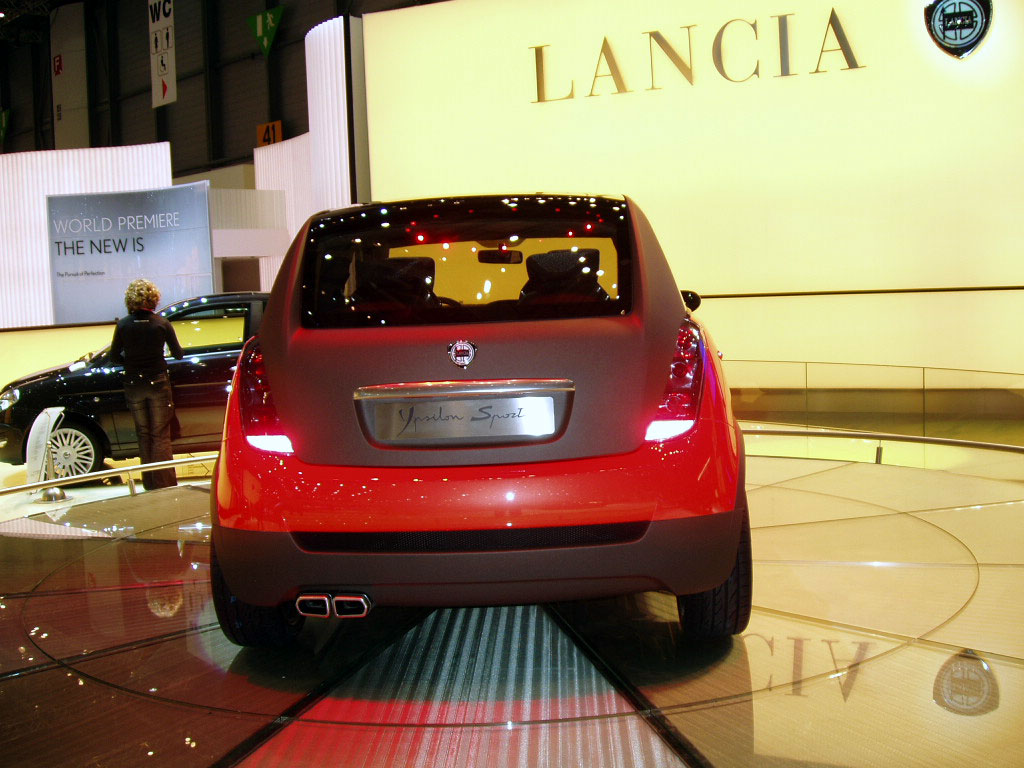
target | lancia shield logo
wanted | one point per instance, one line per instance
(958, 26)
(462, 353)
(966, 685)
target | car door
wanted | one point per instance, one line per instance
(212, 337)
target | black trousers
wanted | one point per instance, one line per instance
(152, 409)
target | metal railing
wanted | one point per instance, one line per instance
(767, 431)
(883, 437)
(970, 458)
(129, 470)
(981, 406)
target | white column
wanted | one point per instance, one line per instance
(328, 114)
(26, 178)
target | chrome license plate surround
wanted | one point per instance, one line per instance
(463, 414)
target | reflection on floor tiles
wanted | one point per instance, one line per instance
(919, 706)
(991, 532)
(880, 539)
(906, 489)
(768, 470)
(993, 618)
(886, 631)
(904, 600)
(531, 695)
(775, 505)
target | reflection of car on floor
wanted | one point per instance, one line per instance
(480, 400)
(96, 422)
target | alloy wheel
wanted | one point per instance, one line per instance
(73, 451)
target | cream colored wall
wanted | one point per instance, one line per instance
(28, 351)
(36, 349)
(974, 330)
(241, 176)
(889, 166)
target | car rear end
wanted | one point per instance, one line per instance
(476, 401)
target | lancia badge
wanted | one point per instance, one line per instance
(462, 352)
(958, 26)
(966, 685)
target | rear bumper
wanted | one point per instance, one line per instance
(664, 517)
(694, 475)
(682, 556)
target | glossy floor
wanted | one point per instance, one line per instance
(886, 631)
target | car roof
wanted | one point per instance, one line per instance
(456, 200)
(216, 298)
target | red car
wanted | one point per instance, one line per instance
(477, 401)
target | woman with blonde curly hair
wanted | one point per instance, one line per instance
(139, 338)
(141, 294)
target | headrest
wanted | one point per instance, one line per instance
(559, 264)
(414, 276)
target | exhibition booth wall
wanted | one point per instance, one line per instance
(27, 179)
(779, 151)
(74, 232)
(838, 188)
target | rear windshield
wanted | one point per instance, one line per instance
(464, 260)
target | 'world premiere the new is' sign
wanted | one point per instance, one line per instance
(100, 243)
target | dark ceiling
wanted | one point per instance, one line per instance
(27, 21)
(24, 21)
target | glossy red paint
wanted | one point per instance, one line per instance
(635, 485)
(692, 475)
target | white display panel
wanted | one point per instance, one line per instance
(99, 243)
(26, 179)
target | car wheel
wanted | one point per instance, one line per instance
(75, 450)
(251, 625)
(724, 610)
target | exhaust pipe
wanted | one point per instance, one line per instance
(314, 605)
(322, 606)
(351, 606)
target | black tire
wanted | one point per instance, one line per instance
(75, 450)
(725, 609)
(252, 625)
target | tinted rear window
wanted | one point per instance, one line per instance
(464, 260)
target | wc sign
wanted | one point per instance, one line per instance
(162, 73)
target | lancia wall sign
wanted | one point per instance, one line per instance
(462, 353)
(958, 26)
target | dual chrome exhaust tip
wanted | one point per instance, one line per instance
(323, 606)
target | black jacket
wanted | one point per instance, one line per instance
(139, 339)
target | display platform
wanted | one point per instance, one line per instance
(886, 631)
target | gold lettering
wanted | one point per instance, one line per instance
(835, 40)
(771, 651)
(685, 67)
(608, 57)
(784, 70)
(798, 665)
(716, 51)
(849, 675)
(538, 53)
(844, 44)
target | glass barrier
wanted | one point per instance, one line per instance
(924, 402)
(973, 460)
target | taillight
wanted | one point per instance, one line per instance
(260, 423)
(677, 412)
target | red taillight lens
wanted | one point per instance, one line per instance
(260, 422)
(677, 412)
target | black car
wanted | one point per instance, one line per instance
(96, 422)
